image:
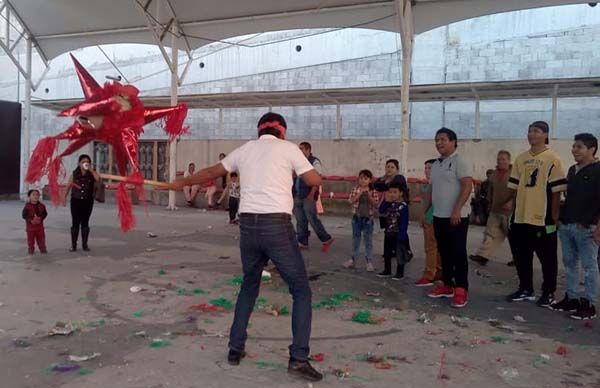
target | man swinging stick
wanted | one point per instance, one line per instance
(266, 167)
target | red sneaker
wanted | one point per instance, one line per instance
(327, 244)
(441, 291)
(460, 297)
(424, 282)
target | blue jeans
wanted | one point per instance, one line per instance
(579, 246)
(271, 237)
(305, 211)
(362, 226)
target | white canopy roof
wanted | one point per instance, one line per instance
(58, 26)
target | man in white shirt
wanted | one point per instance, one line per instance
(266, 167)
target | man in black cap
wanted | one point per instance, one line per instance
(538, 178)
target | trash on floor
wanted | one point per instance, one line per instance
(366, 317)
(160, 343)
(61, 328)
(222, 302)
(84, 358)
(424, 318)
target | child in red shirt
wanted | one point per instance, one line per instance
(34, 214)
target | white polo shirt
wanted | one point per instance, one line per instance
(266, 168)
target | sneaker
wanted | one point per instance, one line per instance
(349, 264)
(478, 259)
(569, 305)
(327, 245)
(384, 274)
(424, 282)
(302, 246)
(460, 297)
(304, 370)
(520, 296)
(585, 310)
(511, 263)
(441, 291)
(370, 267)
(545, 300)
(234, 357)
(397, 277)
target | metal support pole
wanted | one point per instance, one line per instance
(26, 120)
(338, 122)
(554, 130)
(173, 143)
(407, 34)
(221, 132)
(477, 118)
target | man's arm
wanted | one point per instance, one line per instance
(426, 205)
(200, 177)
(312, 178)
(466, 187)
(555, 207)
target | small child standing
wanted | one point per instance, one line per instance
(364, 199)
(233, 189)
(395, 211)
(34, 214)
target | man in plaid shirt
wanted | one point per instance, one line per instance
(364, 199)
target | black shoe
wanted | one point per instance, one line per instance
(399, 272)
(479, 259)
(545, 300)
(234, 357)
(384, 274)
(73, 249)
(521, 295)
(585, 311)
(304, 369)
(570, 305)
(511, 263)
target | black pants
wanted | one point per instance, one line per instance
(527, 239)
(452, 245)
(234, 205)
(81, 210)
(394, 248)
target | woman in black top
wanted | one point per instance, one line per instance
(81, 184)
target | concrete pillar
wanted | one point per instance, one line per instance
(173, 143)
(407, 37)
(26, 119)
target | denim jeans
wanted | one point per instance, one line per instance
(578, 246)
(362, 227)
(305, 211)
(271, 237)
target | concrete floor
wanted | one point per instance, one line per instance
(198, 250)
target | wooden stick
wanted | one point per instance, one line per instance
(120, 178)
